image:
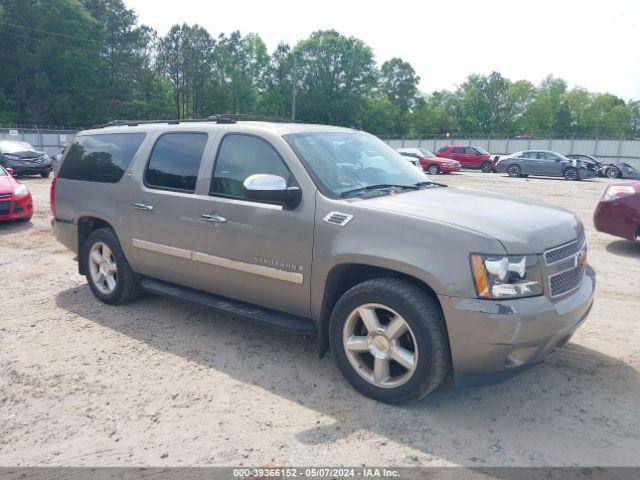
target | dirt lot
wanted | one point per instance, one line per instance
(163, 383)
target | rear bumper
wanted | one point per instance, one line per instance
(494, 340)
(66, 233)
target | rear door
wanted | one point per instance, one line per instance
(459, 154)
(159, 223)
(528, 162)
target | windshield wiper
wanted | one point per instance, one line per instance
(378, 187)
(429, 184)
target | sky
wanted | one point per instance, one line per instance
(592, 44)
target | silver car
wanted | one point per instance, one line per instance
(326, 231)
(545, 163)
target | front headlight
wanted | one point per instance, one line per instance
(501, 277)
(21, 191)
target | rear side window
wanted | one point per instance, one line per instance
(175, 161)
(459, 150)
(100, 158)
(241, 156)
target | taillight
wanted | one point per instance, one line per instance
(52, 197)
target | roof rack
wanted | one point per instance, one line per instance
(223, 118)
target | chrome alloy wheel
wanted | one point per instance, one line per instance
(103, 268)
(380, 345)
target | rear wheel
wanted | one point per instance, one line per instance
(514, 170)
(45, 174)
(571, 174)
(486, 167)
(434, 169)
(108, 273)
(390, 340)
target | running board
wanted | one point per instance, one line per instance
(271, 318)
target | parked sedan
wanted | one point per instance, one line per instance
(544, 163)
(600, 167)
(24, 159)
(429, 162)
(469, 157)
(15, 198)
(618, 212)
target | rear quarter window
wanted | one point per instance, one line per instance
(100, 158)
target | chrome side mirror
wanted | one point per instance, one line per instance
(263, 187)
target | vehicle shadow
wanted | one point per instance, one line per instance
(624, 248)
(554, 179)
(14, 226)
(521, 421)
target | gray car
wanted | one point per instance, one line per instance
(545, 163)
(326, 231)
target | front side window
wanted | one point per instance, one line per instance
(241, 156)
(100, 158)
(343, 162)
(459, 150)
(481, 151)
(442, 150)
(175, 161)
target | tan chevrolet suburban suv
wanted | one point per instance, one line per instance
(325, 231)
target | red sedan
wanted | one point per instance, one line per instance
(15, 199)
(429, 162)
(618, 212)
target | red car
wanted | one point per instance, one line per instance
(469, 157)
(429, 162)
(15, 199)
(618, 212)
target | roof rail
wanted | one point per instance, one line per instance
(221, 118)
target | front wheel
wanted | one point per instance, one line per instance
(486, 167)
(571, 174)
(390, 341)
(45, 174)
(514, 170)
(108, 273)
(434, 169)
(613, 172)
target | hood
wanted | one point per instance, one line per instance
(7, 184)
(523, 226)
(26, 154)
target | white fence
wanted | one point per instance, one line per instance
(607, 151)
(50, 141)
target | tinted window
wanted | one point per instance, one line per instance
(175, 161)
(241, 156)
(459, 150)
(100, 158)
(442, 150)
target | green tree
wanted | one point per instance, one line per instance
(398, 80)
(336, 75)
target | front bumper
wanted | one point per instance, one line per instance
(15, 209)
(450, 168)
(493, 340)
(30, 169)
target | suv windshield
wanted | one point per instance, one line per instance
(343, 162)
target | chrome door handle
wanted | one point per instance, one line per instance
(214, 218)
(143, 206)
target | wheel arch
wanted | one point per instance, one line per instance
(344, 276)
(86, 225)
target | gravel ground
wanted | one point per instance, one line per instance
(159, 382)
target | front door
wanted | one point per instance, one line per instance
(255, 252)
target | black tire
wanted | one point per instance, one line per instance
(424, 316)
(524, 175)
(486, 167)
(45, 174)
(433, 169)
(127, 286)
(514, 170)
(613, 172)
(571, 174)
(24, 219)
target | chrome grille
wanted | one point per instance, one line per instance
(565, 282)
(558, 254)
